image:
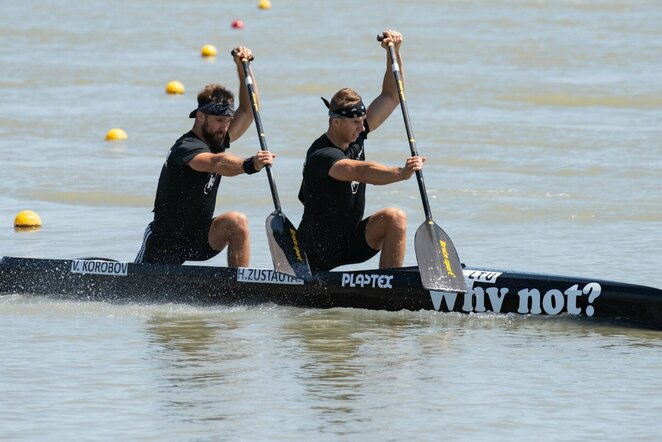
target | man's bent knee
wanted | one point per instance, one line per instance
(238, 220)
(394, 218)
(230, 226)
(389, 222)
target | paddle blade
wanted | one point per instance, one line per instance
(287, 255)
(438, 262)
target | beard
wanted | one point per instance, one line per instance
(214, 140)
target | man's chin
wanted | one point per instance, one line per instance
(216, 142)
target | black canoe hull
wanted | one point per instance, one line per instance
(399, 289)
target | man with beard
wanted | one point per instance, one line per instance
(184, 227)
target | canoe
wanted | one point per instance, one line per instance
(488, 290)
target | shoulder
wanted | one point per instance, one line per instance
(325, 152)
(320, 161)
(189, 141)
(323, 148)
(322, 141)
(321, 156)
(186, 148)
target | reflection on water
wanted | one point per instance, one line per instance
(188, 351)
(245, 372)
(190, 335)
(342, 355)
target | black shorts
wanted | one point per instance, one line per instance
(329, 253)
(160, 247)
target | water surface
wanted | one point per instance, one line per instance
(541, 124)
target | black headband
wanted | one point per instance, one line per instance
(224, 109)
(354, 111)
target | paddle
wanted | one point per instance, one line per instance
(438, 262)
(286, 254)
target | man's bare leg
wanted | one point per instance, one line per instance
(387, 231)
(231, 230)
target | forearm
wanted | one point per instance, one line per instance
(379, 174)
(243, 116)
(244, 99)
(388, 99)
(389, 88)
(256, 89)
(227, 165)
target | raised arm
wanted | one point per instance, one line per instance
(382, 106)
(243, 116)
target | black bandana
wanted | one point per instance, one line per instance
(217, 109)
(357, 110)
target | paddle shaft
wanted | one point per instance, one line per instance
(286, 253)
(410, 135)
(260, 130)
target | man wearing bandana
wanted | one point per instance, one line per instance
(184, 227)
(332, 230)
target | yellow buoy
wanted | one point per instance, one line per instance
(264, 4)
(27, 219)
(175, 87)
(116, 134)
(208, 51)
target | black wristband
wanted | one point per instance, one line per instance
(249, 167)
